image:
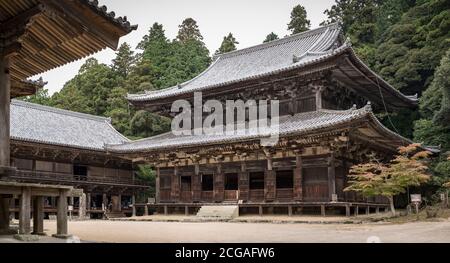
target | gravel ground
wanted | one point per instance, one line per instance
(170, 232)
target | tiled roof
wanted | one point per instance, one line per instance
(41, 124)
(256, 61)
(111, 16)
(299, 124)
(292, 52)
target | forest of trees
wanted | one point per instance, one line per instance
(407, 42)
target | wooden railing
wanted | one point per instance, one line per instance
(256, 195)
(207, 196)
(285, 194)
(70, 178)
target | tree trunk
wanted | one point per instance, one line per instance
(391, 202)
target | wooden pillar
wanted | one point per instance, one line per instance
(322, 210)
(25, 212)
(260, 208)
(219, 184)
(38, 216)
(377, 210)
(82, 207)
(158, 186)
(133, 203)
(166, 210)
(356, 210)
(146, 210)
(61, 216)
(4, 213)
(105, 202)
(244, 183)
(318, 91)
(298, 179)
(289, 210)
(175, 187)
(368, 210)
(88, 205)
(5, 101)
(270, 181)
(347, 210)
(186, 210)
(331, 177)
(196, 185)
(120, 202)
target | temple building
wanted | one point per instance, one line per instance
(327, 97)
(38, 36)
(61, 147)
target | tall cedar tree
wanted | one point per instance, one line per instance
(299, 20)
(124, 61)
(228, 44)
(188, 30)
(271, 37)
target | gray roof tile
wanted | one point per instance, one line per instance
(40, 124)
(302, 123)
(257, 61)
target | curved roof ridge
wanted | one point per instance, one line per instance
(35, 106)
(280, 41)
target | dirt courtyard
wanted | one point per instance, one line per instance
(171, 232)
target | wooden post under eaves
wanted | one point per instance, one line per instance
(331, 177)
(5, 101)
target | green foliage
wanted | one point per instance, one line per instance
(442, 81)
(228, 44)
(124, 61)
(299, 20)
(146, 124)
(271, 37)
(426, 132)
(169, 63)
(188, 30)
(410, 50)
(400, 121)
(40, 97)
(147, 174)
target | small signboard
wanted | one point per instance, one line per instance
(70, 208)
(334, 198)
(416, 198)
(442, 197)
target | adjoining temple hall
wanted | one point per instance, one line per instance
(310, 89)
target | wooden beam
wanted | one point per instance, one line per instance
(20, 20)
(72, 12)
(5, 89)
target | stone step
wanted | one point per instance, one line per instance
(111, 215)
(223, 212)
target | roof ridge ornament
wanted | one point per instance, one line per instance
(348, 42)
(368, 107)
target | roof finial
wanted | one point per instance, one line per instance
(295, 59)
(354, 107)
(179, 85)
(348, 41)
(368, 107)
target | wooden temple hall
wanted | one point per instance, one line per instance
(50, 157)
(327, 96)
